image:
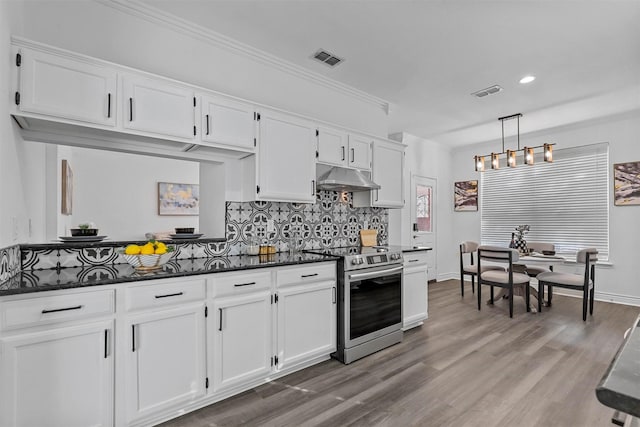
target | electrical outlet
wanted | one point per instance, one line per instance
(366, 224)
(271, 226)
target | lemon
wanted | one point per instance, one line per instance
(160, 251)
(160, 245)
(132, 250)
(147, 249)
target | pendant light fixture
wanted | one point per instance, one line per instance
(511, 155)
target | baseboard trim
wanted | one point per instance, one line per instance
(447, 276)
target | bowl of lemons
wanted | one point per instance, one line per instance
(150, 256)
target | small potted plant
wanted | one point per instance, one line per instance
(86, 229)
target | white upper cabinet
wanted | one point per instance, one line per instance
(65, 88)
(359, 155)
(158, 107)
(286, 158)
(388, 172)
(336, 147)
(332, 146)
(228, 122)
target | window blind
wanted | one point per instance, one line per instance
(565, 202)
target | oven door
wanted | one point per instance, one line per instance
(373, 303)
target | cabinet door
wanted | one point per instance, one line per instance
(67, 89)
(241, 339)
(286, 159)
(388, 171)
(228, 122)
(58, 377)
(332, 146)
(166, 364)
(359, 152)
(306, 322)
(158, 107)
(414, 296)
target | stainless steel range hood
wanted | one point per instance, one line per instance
(343, 179)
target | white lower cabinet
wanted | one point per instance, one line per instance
(240, 331)
(414, 289)
(166, 365)
(306, 322)
(59, 376)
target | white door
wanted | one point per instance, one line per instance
(158, 107)
(228, 122)
(306, 322)
(286, 158)
(242, 339)
(166, 363)
(423, 218)
(58, 377)
(67, 89)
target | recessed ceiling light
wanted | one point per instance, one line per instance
(527, 79)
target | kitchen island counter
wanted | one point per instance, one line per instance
(29, 281)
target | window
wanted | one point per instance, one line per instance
(423, 208)
(565, 202)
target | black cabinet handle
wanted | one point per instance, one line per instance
(207, 120)
(313, 187)
(108, 105)
(353, 155)
(377, 194)
(220, 325)
(106, 343)
(334, 294)
(77, 307)
(342, 152)
(169, 295)
(309, 275)
(130, 109)
(237, 285)
(413, 260)
(133, 337)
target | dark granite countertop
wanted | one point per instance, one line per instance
(414, 248)
(620, 385)
(77, 277)
(113, 243)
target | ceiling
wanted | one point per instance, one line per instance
(427, 57)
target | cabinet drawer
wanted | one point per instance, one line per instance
(55, 309)
(234, 284)
(308, 273)
(415, 258)
(164, 294)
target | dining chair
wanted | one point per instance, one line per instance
(582, 282)
(470, 268)
(502, 279)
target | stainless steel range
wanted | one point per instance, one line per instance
(370, 300)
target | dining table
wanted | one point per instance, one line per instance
(533, 258)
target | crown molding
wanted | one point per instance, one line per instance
(151, 14)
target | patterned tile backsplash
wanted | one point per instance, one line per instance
(9, 262)
(331, 222)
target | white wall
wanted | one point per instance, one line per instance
(620, 281)
(431, 160)
(119, 192)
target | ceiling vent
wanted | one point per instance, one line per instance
(327, 58)
(487, 91)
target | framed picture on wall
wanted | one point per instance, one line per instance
(465, 196)
(178, 199)
(626, 184)
(66, 202)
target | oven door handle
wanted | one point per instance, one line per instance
(379, 273)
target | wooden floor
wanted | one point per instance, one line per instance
(463, 367)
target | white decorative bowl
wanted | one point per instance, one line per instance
(148, 262)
